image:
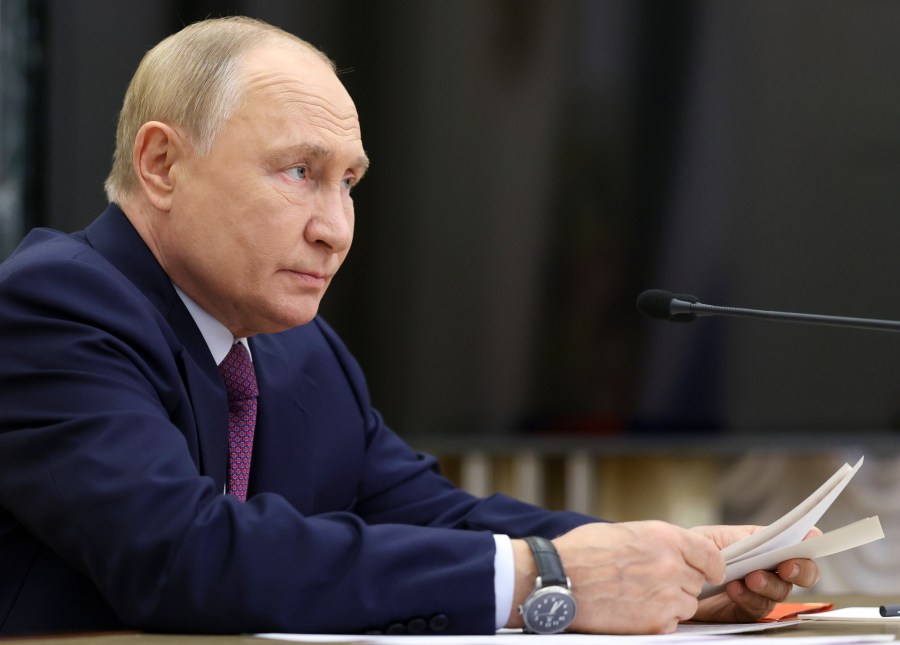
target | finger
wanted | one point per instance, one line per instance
(768, 585)
(726, 535)
(802, 572)
(687, 607)
(702, 554)
(691, 581)
(749, 605)
(813, 532)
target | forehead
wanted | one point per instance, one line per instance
(287, 84)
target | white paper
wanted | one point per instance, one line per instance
(794, 525)
(853, 614)
(731, 628)
(847, 537)
(783, 539)
(685, 632)
(579, 639)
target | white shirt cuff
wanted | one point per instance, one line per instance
(504, 578)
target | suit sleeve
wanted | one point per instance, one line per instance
(402, 485)
(95, 469)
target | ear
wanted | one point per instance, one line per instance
(157, 148)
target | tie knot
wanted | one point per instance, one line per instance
(238, 374)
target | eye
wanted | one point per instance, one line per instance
(297, 172)
(348, 182)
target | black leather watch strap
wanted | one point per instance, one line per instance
(549, 565)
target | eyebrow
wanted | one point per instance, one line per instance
(362, 162)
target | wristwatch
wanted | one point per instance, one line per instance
(550, 608)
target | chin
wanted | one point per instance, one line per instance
(298, 317)
(271, 324)
(273, 317)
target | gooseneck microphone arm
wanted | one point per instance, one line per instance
(684, 308)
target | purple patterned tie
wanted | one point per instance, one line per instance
(240, 382)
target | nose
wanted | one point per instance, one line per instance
(331, 224)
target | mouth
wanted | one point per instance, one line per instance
(312, 279)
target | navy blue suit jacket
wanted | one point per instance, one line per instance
(113, 422)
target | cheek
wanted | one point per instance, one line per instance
(277, 244)
(350, 214)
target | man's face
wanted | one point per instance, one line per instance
(260, 225)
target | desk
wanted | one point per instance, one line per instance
(810, 628)
(133, 638)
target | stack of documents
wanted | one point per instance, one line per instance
(783, 539)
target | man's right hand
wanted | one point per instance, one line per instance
(630, 577)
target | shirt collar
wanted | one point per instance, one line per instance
(217, 337)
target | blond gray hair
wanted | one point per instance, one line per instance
(190, 80)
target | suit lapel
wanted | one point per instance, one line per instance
(114, 237)
(281, 444)
(210, 405)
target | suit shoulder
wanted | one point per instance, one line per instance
(45, 250)
(53, 275)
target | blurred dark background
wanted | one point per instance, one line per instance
(535, 166)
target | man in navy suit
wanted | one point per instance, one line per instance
(125, 499)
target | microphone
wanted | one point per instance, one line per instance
(666, 305)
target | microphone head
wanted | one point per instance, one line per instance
(657, 303)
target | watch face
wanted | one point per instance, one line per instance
(549, 611)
